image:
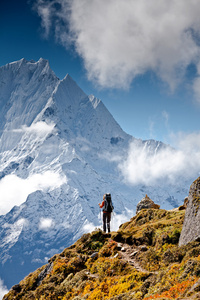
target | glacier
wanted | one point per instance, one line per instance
(59, 153)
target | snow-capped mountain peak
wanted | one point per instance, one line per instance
(59, 151)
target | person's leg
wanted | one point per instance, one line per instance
(104, 222)
(108, 221)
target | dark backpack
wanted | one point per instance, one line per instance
(108, 206)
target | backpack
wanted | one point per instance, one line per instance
(108, 206)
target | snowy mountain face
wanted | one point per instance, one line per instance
(59, 153)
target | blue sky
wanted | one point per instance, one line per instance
(142, 60)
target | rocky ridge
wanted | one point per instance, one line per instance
(142, 260)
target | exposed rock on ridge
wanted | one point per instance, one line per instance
(191, 225)
(145, 203)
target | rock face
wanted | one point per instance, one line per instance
(191, 225)
(145, 203)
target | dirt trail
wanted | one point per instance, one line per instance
(128, 253)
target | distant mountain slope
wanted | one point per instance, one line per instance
(59, 153)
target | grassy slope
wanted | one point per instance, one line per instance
(165, 270)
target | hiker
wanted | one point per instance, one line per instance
(107, 210)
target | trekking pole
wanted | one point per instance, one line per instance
(112, 219)
(101, 220)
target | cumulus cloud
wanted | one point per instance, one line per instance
(142, 166)
(3, 289)
(45, 224)
(119, 40)
(188, 143)
(14, 190)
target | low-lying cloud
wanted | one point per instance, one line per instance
(119, 219)
(39, 128)
(12, 185)
(3, 289)
(45, 224)
(119, 40)
(88, 227)
(142, 166)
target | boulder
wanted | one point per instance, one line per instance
(184, 206)
(94, 255)
(47, 270)
(191, 224)
(145, 203)
(17, 288)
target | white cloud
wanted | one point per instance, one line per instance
(45, 224)
(189, 143)
(144, 167)
(14, 190)
(3, 289)
(118, 219)
(40, 128)
(88, 227)
(119, 40)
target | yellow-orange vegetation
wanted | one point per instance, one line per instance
(94, 268)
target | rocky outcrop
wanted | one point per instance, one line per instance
(145, 203)
(191, 225)
(184, 206)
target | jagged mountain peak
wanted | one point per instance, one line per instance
(24, 75)
(63, 148)
(70, 91)
(25, 65)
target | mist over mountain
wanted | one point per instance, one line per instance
(60, 151)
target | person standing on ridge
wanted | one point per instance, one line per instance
(107, 210)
